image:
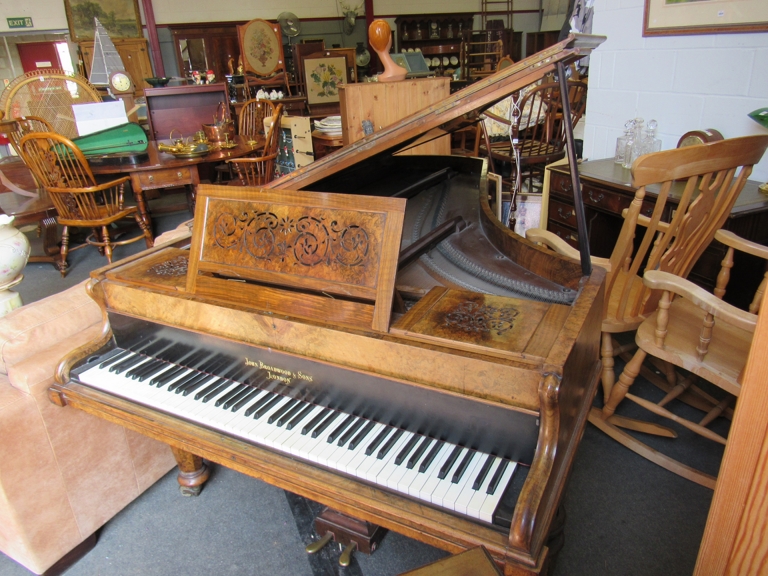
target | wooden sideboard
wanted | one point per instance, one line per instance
(607, 190)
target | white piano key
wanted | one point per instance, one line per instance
(425, 482)
(388, 462)
(477, 499)
(455, 491)
(492, 500)
(443, 485)
(352, 464)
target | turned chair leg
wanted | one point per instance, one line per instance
(145, 229)
(107, 245)
(609, 375)
(626, 379)
(64, 250)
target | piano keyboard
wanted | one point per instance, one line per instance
(238, 402)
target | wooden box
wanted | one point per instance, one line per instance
(384, 103)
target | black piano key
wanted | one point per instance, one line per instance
(193, 384)
(497, 477)
(378, 440)
(223, 385)
(430, 457)
(295, 409)
(282, 410)
(197, 357)
(320, 428)
(162, 379)
(121, 367)
(314, 422)
(241, 393)
(462, 467)
(116, 358)
(268, 406)
(245, 399)
(147, 368)
(158, 367)
(419, 452)
(222, 401)
(174, 353)
(344, 438)
(210, 388)
(189, 388)
(259, 403)
(406, 449)
(389, 443)
(184, 380)
(449, 463)
(340, 428)
(296, 420)
(362, 434)
(210, 364)
(483, 472)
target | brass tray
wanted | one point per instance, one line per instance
(194, 154)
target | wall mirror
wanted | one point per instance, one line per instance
(193, 56)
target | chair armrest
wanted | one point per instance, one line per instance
(496, 117)
(708, 302)
(730, 239)
(561, 247)
(90, 189)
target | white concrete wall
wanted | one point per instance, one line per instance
(683, 82)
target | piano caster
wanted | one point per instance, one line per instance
(193, 472)
(349, 532)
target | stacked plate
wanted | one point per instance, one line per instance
(330, 125)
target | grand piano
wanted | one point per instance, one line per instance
(365, 333)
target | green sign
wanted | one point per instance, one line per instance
(24, 22)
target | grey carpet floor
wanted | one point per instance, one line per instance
(624, 515)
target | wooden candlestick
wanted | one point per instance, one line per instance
(380, 37)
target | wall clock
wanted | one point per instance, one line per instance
(120, 83)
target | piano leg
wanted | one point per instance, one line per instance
(193, 472)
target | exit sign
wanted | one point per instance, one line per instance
(25, 22)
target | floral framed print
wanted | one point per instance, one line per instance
(678, 17)
(119, 17)
(323, 77)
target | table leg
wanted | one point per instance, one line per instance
(141, 203)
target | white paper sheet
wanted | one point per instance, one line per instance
(96, 116)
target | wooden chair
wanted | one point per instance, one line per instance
(700, 333)
(252, 114)
(79, 200)
(257, 171)
(707, 179)
(530, 132)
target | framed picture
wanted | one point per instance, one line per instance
(261, 47)
(324, 76)
(678, 17)
(121, 18)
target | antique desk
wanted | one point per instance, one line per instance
(163, 170)
(607, 190)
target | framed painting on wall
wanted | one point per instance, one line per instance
(121, 18)
(324, 76)
(678, 17)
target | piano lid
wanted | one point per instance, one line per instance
(459, 110)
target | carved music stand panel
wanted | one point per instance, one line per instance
(340, 246)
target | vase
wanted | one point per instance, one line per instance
(14, 253)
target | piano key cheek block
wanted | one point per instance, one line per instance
(364, 333)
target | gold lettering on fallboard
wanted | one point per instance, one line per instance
(280, 374)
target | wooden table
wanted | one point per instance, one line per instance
(607, 190)
(26, 210)
(323, 144)
(163, 170)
